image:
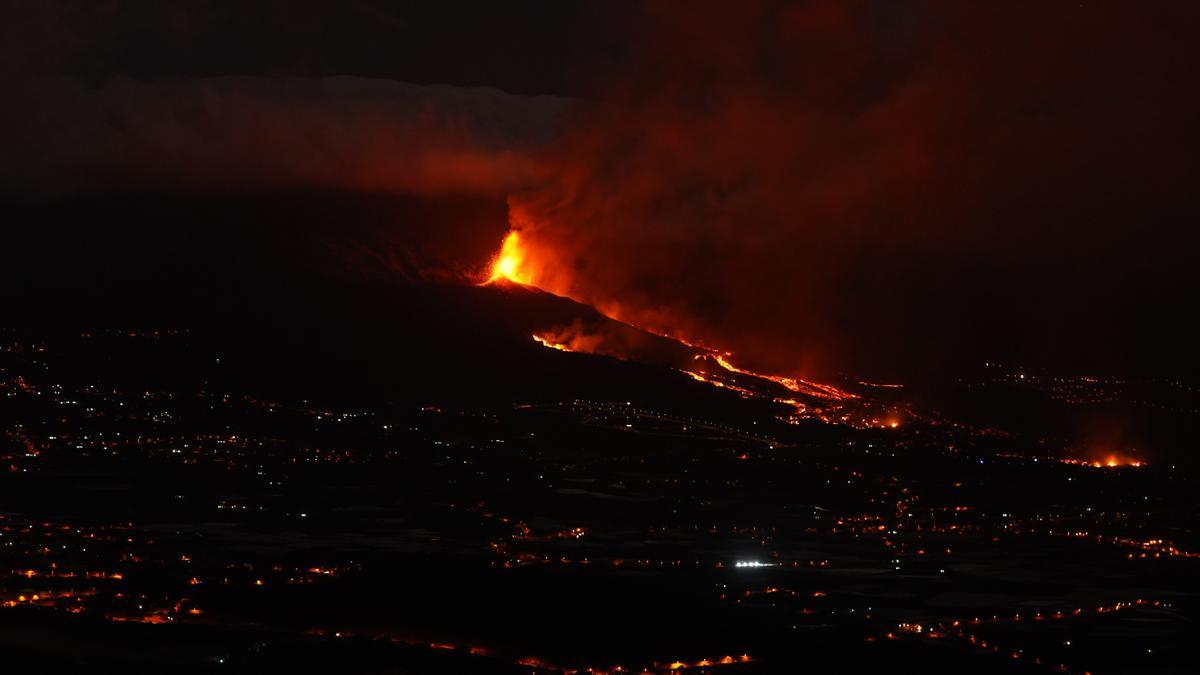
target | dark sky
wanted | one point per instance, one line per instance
(520, 47)
(891, 188)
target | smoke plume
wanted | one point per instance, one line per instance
(826, 185)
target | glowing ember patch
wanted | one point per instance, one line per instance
(1110, 461)
(880, 385)
(546, 342)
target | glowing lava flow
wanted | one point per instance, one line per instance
(546, 342)
(511, 263)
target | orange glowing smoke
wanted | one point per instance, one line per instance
(577, 338)
(509, 263)
(1114, 460)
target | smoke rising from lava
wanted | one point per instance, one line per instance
(64, 131)
(339, 133)
(866, 185)
(814, 186)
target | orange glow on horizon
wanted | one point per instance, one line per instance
(1112, 460)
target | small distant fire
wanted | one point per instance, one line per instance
(1112, 460)
(547, 343)
(585, 339)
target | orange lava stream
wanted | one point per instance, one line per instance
(545, 342)
(511, 263)
(793, 384)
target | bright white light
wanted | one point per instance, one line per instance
(753, 563)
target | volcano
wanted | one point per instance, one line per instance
(341, 307)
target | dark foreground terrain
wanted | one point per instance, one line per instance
(161, 511)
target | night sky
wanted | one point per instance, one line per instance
(892, 189)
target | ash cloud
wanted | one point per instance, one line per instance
(885, 187)
(870, 186)
(64, 131)
(426, 166)
(273, 133)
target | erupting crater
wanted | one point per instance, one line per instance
(609, 336)
(509, 262)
